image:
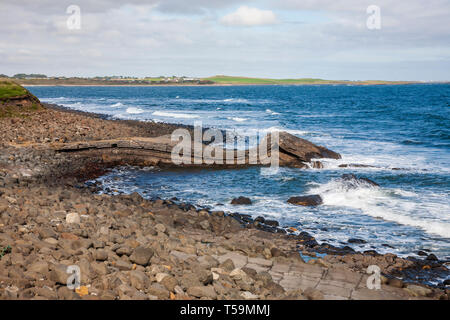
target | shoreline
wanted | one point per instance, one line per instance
(227, 84)
(66, 176)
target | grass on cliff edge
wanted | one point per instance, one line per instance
(9, 89)
(12, 109)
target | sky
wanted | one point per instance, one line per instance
(328, 39)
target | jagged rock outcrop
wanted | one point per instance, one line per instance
(310, 200)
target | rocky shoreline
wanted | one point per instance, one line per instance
(128, 247)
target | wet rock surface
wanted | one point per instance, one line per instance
(241, 201)
(311, 200)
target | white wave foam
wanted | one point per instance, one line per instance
(236, 100)
(271, 112)
(134, 110)
(117, 105)
(175, 115)
(382, 203)
(237, 119)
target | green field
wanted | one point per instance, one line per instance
(10, 89)
(244, 80)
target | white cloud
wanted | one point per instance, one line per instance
(246, 16)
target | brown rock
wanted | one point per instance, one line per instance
(311, 200)
(313, 294)
(139, 279)
(227, 265)
(142, 256)
(158, 291)
(241, 201)
(202, 292)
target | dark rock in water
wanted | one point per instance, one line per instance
(432, 257)
(356, 241)
(388, 246)
(371, 253)
(246, 218)
(355, 165)
(447, 282)
(241, 200)
(347, 248)
(355, 180)
(312, 200)
(260, 219)
(273, 223)
(422, 253)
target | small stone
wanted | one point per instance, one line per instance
(275, 252)
(160, 228)
(205, 224)
(139, 279)
(124, 250)
(68, 236)
(396, 283)
(99, 268)
(12, 292)
(205, 276)
(416, 290)
(432, 257)
(73, 217)
(247, 295)
(202, 292)
(169, 283)
(159, 291)
(357, 241)
(227, 265)
(65, 293)
(311, 200)
(241, 201)
(160, 276)
(101, 255)
(38, 267)
(51, 241)
(47, 233)
(59, 274)
(104, 230)
(313, 294)
(238, 274)
(122, 265)
(142, 256)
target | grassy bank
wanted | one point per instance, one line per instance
(16, 101)
(9, 89)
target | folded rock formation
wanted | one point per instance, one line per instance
(293, 152)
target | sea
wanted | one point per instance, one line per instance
(397, 135)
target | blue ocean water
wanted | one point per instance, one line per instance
(403, 132)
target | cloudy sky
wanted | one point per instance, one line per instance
(327, 39)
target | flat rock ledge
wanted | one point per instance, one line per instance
(147, 151)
